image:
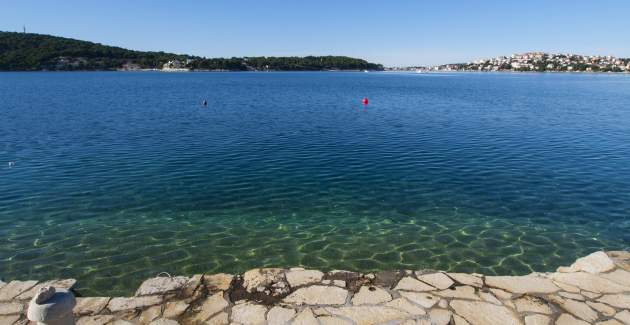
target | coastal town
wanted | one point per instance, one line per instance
(534, 61)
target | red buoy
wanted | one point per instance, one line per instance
(365, 101)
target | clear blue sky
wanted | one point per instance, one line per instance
(404, 32)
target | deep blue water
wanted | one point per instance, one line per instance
(115, 177)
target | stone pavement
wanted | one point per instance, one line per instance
(594, 290)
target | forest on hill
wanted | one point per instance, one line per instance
(37, 52)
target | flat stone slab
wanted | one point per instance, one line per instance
(423, 299)
(218, 282)
(532, 304)
(597, 262)
(66, 284)
(620, 300)
(318, 295)
(10, 308)
(522, 284)
(406, 306)
(174, 309)
(303, 277)
(411, 284)
(249, 314)
(211, 306)
(371, 296)
(590, 282)
(467, 279)
(14, 289)
(483, 313)
(120, 304)
(90, 305)
(161, 285)
(305, 317)
(363, 315)
(279, 315)
(438, 280)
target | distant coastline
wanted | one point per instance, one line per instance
(534, 62)
(37, 52)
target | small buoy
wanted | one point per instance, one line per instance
(204, 103)
(365, 101)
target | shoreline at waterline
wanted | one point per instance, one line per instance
(594, 289)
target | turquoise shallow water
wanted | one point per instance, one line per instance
(119, 176)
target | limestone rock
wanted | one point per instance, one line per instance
(161, 285)
(10, 319)
(462, 292)
(318, 295)
(425, 300)
(174, 309)
(467, 279)
(483, 313)
(364, 315)
(306, 317)
(10, 308)
(577, 308)
(597, 262)
(566, 319)
(437, 280)
(522, 284)
(331, 320)
(249, 314)
(371, 296)
(404, 305)
(192, 286)
(589, 282)
(567, 287)
(218, 282)
(120, 322)
(303, 277)
(270, 281)
(459, 320)
(532, 304)
(620, 276)
(120, 303)
(589, 294)
(339, 283)
(164, 321)
(57, 284)
(502, 294)
(218, 319)
(609, 322)
(573, 296)
(489, 297)
(279, 315)
(440, 316)
(623, 316)
(602, 308)
(95, 320)
(210, 306)
(537, 320)
(619, 301)
(14, 289)
(411, 284)
(90, 305)
(150, 314)
(621, 259)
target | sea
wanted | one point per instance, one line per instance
(114, 177)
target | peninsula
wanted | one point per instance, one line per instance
(37, 52)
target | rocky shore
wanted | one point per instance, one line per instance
(594, 290)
